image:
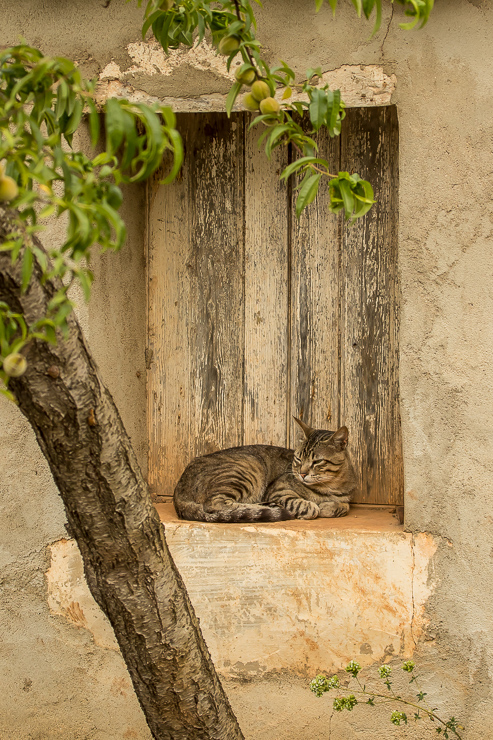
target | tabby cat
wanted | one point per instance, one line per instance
(261, 483)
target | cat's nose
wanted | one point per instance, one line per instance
(303, 475)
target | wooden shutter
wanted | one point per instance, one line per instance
(255, 316)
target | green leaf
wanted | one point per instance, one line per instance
(27, 269)
(275, 136)
(178, 156)
(62, 94)
(36, 132)
(347, 198)
(232, 95)
(93, 122)
(41, 257)
(358, 5)
(378, 17)
(59, 297)
(169, 116)
(115, 128)
(150, 19)
(318, 107)
(85, 278)
(317, 72)
(61, 315)
(47, 211)
(75, 118)
(334, 112)
(50, 334)
(298, 163)
(368, 6)
(307, 194)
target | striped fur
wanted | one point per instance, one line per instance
(261, 483)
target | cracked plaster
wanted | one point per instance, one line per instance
(152, 77)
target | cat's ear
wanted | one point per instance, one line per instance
(340, 438)
(306, 429)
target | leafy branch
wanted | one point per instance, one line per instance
(43, 101)
(232, 26)
(421, 710)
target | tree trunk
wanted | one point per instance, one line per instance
(127, 564)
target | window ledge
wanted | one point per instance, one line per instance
(304, 596)
(361, 518)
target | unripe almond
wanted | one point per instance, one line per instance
(229, 44)
(15, 365)
(247, 77)
(250, 102)
(269, 106)
(260, 90)
(8, 188)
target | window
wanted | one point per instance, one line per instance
(255, 316)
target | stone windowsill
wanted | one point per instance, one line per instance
(304, 596)
(361, 518)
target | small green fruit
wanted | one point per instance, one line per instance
(229, 44)
(166, 5)
(247, 77)
(260, 90)
(8, 188)
(250, 103)
(269, 106)
(15, 365)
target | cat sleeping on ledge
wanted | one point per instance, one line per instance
(261, 483)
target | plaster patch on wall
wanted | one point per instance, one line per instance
(424, 548)
(360, 85)
(69, 595)
(150, 58)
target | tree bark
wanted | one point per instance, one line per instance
(127, 564)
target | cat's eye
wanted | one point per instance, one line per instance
(319, 462)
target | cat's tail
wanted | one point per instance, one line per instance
(237, 512)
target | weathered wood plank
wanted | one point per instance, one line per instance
(215, 271)
(266, 295)
(314, 320)
(196, 301)
(168, 353)
(369, 348)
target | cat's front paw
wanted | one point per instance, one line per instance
(331, 509)
(302, 509)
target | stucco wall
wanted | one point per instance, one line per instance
(56, 680)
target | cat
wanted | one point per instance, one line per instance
(262, 483)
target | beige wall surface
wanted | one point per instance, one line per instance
(60, 679)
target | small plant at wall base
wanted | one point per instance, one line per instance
(416, 706)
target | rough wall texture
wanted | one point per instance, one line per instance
(56, 680)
